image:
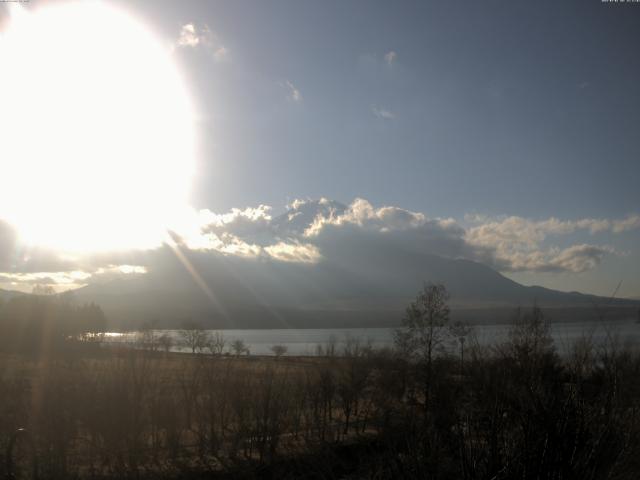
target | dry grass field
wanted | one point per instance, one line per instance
(80, 409)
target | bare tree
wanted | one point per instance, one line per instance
(460, 331)
(279, 350)
(351, 347)
(194, 336)
(530, 336)
(424, 330)
(216, 343)
(148, 339)
(328, 350)
(423, 327)
(43, 289)
(239, 347)
(166, 342)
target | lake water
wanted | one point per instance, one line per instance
(306, 341)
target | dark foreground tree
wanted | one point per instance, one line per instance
(424, 331)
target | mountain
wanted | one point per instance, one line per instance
(9, 294)
(371, 265)
(235, 293)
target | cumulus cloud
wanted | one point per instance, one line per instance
(382, 113)
(508, 244)
(516, 243)
(192, 36)
(352, 237)
(294, 252)
(574, 259)
(385, 232)
(61, 281)
(247, 222)
(632, 222)
(188, 36)
(390, 57)
(578, 258)
(248, 233)
(363, 214)
(520, 228)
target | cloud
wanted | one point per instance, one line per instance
(293, 93)
(188, 36)
(238, 222)
(117, 270)
(632, 222)
(72, 278)
(8, 239)
(516, 243)
(67, 280)
(22, 266)
(390, 57)
(193, 37)
(519, 230)
(578, 258)
(294, 252)
(248, 233)
(594, 225)
(363, 214)
(387, 229)
(574, 259)
(508, 244)
(354, 238)
(382, 113)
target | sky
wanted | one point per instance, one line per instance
(514, 123)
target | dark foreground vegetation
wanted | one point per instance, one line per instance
(515, 410)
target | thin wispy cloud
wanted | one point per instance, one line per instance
(293, 93)
(390, 57)
(192, 36)
(383, 113)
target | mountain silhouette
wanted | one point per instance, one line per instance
(237, 293)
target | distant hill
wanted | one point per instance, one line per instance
(7, 294)
(361, 280)
(372, 292)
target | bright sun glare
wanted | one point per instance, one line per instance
(96, 129)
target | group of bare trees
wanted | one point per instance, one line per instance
(515, 409)
(438, 405)
(132, 410)
(195, 339)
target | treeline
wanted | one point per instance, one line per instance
(513, 410)
(40, 323)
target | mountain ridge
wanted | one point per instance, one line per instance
(365, 273)
(300, 297)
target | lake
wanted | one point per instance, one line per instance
(306, 341)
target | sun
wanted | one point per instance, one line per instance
(97, 139)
